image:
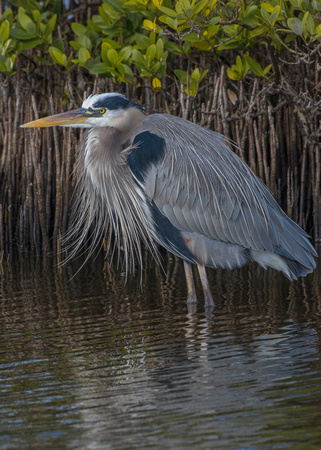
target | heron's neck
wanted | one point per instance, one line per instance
(127, 121)
(104, 158)
(104, 149)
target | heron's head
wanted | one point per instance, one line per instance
(102, 110)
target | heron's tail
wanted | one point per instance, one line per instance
(291, 268)
(296, 269)
(294, 256)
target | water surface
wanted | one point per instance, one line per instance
(88, 362)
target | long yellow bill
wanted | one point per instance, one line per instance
(70, 118)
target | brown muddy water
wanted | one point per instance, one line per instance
(88, 362)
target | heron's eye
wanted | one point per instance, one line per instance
(102, 111)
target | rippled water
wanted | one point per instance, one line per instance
(88, 362)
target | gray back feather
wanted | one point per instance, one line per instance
(203, 186)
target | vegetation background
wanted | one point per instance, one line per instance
(248, 69)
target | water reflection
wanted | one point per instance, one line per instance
(88, 362)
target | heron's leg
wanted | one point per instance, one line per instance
(206, 287)
(191, 293)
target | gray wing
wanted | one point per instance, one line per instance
(200, 185)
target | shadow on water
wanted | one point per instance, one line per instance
(89, 362)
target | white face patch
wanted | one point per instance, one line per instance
(101, 115)
(107, 119)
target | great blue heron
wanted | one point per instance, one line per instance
(163, 179)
